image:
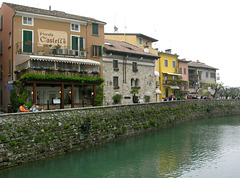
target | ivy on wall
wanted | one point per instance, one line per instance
(33, 76)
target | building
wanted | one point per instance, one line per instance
(200, 74)
(128, 71)
(183, 69)
(57, 55)
(170, 82)
(142, 41)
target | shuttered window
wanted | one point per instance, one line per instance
(95, 29)
(27, 41)
(96, 51)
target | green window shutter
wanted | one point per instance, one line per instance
(1, 72)
(81, 42)
(1, 48)
(27, 41)
(95, 29)
(92, 50)
(1, 23)
(74, 44)
(9, 67)
(99, 51)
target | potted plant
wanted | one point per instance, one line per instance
(117, 98)
(58, 46)
(116, 87)
(40, 52)
(61, 70)
(19, 51)
(28, 43)
(73, 70)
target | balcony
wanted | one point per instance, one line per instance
(49, 50)
(52, 71)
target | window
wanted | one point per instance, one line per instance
(95, 29)
(185, 71)
(1, 72)
(10, 39)
(174, 64)
(200, 75)
(140, 41)
(137, 82)
(132, 82)
(75, 27)
(134, 66)
(115, 81)
(1, 27)
(9, 67)
(166, 63)
(1, 50)
(180, 70)
(96, 51)
(115, 64)
(1, 100)
(27, 21)
(27, 41)
(212, 75)
(206, 74)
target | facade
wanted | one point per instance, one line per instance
(169, 77)
(142, 41)
(47, 42)
(127, 69)
(200, 74)
(183, 69)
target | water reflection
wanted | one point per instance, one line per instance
(204, 148)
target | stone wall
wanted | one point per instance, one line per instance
(145, 76)
(26, 137)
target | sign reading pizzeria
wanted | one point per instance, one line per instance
(52, 37)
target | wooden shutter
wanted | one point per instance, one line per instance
(74, 42)
(99, 51)
(81, 43)
(27, 41)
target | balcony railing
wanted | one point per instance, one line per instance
(49, 50)
(173, 82)
(57, 72)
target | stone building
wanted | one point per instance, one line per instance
(50, 43)
(200, 74)
(127, 69)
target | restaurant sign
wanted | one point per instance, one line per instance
(52, 37)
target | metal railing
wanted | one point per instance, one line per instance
(48, 50)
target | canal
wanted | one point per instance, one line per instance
(202, 148)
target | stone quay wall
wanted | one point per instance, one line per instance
(27, 137)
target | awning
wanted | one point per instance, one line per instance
(158, 92)
(57, 59)
(156, 73)
(172, 74)
(174, 87)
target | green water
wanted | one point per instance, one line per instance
(203, 148)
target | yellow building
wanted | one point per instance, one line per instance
(169, 77)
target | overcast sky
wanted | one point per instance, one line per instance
(204, 30)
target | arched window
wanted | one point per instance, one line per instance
(137, 82)
(132, 82)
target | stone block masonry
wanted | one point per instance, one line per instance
(26, 137)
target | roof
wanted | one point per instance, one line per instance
(54, 13)
(200, 65)
(137, 34)
(124, 47)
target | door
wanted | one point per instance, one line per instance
(75, 42)
(27, 41)
(166, 92)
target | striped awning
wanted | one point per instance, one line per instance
(25, 58)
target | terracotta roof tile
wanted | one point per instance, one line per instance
(120, 46)
(54, 13)
(200, 65)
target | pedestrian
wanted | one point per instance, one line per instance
(23, 108)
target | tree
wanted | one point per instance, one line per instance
(217, 87)
(134, 91)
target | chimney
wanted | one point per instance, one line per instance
(50, 8)
(168, 51)
(146, 49)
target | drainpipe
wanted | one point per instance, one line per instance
(12, 42)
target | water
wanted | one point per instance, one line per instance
(203, 148)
